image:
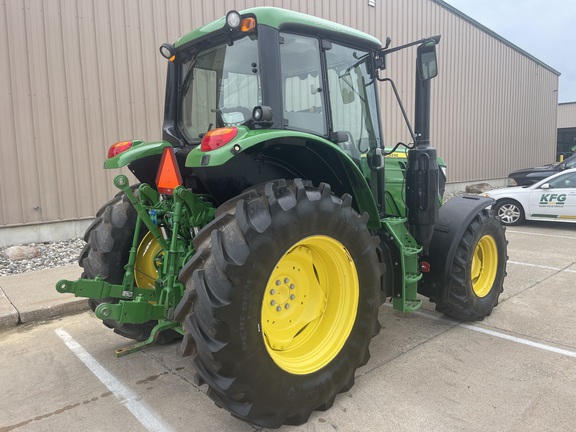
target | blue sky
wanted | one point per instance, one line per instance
(546, 29)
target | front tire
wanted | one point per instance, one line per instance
(478, 270)
(283, 299)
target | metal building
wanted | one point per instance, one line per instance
(79, 75)
(566, 130)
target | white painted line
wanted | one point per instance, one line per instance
(538, 234)
(148, 418)
(533, 265)
(541, 266)
(520, 340)
(550, 348)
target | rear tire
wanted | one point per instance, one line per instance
(478, 270)
(108, 242)
(286, 289)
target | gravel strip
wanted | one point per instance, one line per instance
(46, 255)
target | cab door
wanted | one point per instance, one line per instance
(555, 199)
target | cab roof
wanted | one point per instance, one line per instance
(283, 19)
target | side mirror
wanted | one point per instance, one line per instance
(427, 64)
(375, 159)
(545, 186)
(347, 96)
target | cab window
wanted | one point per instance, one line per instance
(352, 99)
(219, 87)
(302, 84)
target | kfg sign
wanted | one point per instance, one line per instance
(552, 198)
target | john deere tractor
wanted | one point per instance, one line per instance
(271, 222)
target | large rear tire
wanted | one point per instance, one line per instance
(478, 270)
(108, 242)
(282, 302)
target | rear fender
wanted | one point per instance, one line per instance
(454, 218)
(139, 150)
(230, 162)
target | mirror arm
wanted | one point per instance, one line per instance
(402, 110)
(385, 51)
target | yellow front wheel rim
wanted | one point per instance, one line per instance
(310, 304)
(484, 266)
(148, 258)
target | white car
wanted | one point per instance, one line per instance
(551, 199)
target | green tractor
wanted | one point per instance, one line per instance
(271, 223)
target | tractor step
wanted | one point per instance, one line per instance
(406, 305)
(410, 278)
(406, 300)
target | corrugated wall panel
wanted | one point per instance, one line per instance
(81, 172)
(19, 55)
(64, 192)
(89, 62)
(10, 186)
(567, 115)
(493, 107)
(80, 75)
(113, 103)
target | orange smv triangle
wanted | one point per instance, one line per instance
(168, 176)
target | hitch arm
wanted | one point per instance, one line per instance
(98, 288)
(135, 312)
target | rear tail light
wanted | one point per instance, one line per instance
(217, 138)
(119, 147)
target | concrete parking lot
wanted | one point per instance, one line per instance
(514, 371)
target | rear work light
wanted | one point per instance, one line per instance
(119, 147)
(235, 22)
(217, 138)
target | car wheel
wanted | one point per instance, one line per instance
(510, 212)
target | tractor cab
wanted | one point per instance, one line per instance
(299, 79)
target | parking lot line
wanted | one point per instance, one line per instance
(522, 341)
(505, 336)
(539, 234)
(148, 418)
(542, 266)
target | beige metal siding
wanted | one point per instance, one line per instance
(79, 75)
(493, 108)
(567, 115)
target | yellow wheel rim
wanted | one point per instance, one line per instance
(310, 303)
(148, 258)
(484, 266)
